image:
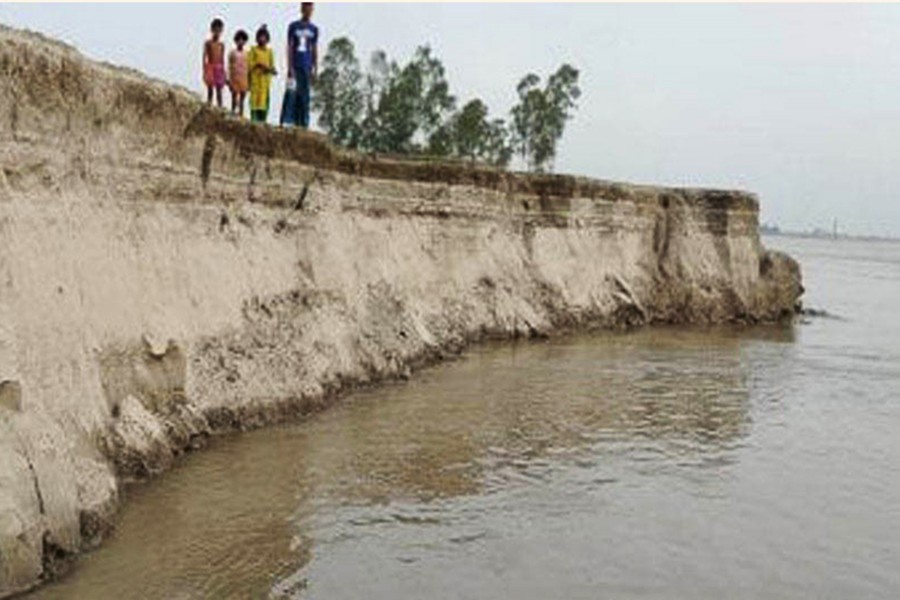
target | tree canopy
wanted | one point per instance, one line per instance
(539, 119)
(409, 109)
(340, 98)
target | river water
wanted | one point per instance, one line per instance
(664, 463)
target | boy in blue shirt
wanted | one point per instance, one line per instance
(303, 59)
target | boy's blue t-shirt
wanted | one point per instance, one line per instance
(303, 36)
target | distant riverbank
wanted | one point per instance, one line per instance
(824, 235)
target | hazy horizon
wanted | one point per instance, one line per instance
(793, 102)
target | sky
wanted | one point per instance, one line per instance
(798, 103)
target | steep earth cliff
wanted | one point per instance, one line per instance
(167, 273)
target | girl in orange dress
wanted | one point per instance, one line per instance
(238, 75)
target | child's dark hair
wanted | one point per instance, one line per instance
(263, 31)
(241, 35)
(217, 24)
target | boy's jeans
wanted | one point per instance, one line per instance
(302, 111)
(288, 107)
(296, 104)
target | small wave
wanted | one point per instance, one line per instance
(466, 538)
(820, 313)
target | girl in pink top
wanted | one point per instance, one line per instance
(238, 79)
(214, 62)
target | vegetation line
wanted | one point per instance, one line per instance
(409, 110)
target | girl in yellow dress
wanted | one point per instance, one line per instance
(261, 63)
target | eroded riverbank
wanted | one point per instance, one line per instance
(169, 274)
(424, 488)
(658, 464)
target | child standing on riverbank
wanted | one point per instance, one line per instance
(214, 62)
(238, 76)
(303, 61)
(261, 62)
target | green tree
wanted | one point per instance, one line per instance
(470, 129)
(539, 119)
(339, 97)
(378, 75)
(441, 142)
(434, 101)
(525, 116)
(496, 147)
(406, 104)
(469, 134)
(397, 111)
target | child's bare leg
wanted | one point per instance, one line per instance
(209, 94)
(219, 97)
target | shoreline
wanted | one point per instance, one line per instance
(292, 413)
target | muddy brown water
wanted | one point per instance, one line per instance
(663, 463)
